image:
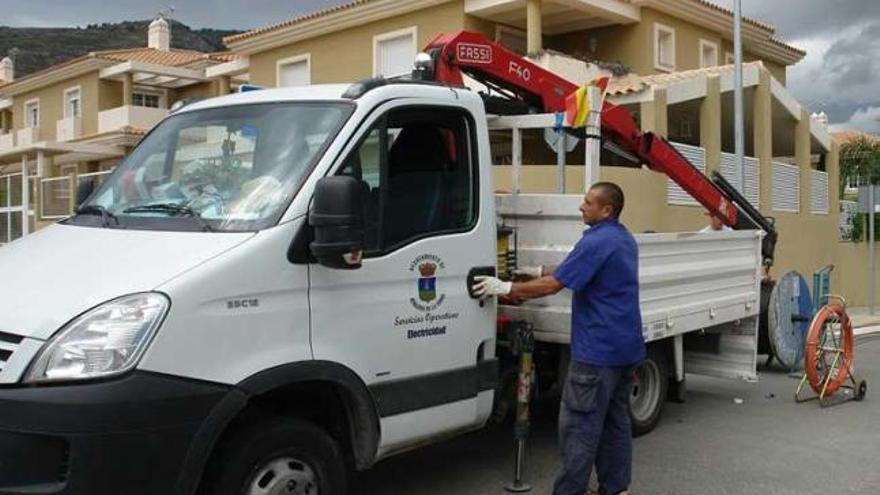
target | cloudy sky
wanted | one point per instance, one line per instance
(840, 75)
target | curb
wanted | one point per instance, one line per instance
(866, 330)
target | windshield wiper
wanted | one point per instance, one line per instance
(173, 209)
(106, 215)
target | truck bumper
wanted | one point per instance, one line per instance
(126, 436)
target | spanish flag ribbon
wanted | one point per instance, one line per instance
(577, 105)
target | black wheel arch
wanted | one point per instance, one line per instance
(360, 411)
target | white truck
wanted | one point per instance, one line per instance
(272, 289)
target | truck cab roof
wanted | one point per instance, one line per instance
(362, 92)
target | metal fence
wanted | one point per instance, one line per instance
(56, 198)
(58, 194)
(12, 207)
(848, 211)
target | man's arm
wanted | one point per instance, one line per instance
(527, 273)
(539, 287)
(487, 286)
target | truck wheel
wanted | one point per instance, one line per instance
(649, 392)
(280, 456)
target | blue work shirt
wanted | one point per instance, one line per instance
(603, 272)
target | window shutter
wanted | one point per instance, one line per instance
(675, 195)
(294, 74)
(819, 192)
(786, 188)
(751, 177)
(396, 55)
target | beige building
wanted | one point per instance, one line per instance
(78, 119)
(672, 58)
(678, 54)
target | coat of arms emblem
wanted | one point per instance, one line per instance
(427, 282)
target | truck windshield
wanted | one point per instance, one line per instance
(224, 169)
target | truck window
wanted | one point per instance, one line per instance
(233, 168)
(418, 174)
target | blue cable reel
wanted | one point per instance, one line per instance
(789, 312)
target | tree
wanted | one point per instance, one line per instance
(859, 166)
(860, 161)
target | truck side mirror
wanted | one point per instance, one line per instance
(84, 190)
(337, 217)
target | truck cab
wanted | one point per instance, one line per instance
(271, 289)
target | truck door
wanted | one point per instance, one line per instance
(404, 321)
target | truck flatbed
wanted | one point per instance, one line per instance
(708, 282)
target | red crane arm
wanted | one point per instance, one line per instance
(457, 54)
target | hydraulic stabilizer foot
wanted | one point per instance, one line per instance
(523, 345)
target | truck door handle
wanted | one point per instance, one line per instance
(477, 270)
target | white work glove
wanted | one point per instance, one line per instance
(530, 271)
(487, 286)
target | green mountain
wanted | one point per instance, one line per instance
(38, 48)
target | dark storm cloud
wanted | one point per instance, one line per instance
(796, 19)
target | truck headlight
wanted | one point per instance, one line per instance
(104, 341)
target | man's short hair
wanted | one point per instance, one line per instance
(611, 194)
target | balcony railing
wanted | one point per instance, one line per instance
(57, 194)
(129, 116)
(68, 129)
(7, 141)
(57, 197)
(13, 209)
(27, 136)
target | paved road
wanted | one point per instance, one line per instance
(709, 446)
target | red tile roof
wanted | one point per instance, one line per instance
(173, 57)
(748, 20)
(847, 136)
(293, 20)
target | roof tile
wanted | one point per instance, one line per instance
(293, 20)
(847, 136)
(172, 57)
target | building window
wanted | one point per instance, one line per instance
(294, 71)
(32, 113)
(708, 54)
(729, 58)
(686, 128)
(664, 47)
(72, 103)
(394, 52)
(511, 38)
(145, 99)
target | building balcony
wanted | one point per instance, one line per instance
(27, 136)
(556, 17)
(129, 116)
(68, 129)
(7, 140)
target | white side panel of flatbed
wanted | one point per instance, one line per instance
(687, 282)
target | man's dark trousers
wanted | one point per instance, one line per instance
(594, 429)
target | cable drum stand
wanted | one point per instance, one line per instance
(829, 357)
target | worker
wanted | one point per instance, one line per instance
(606, 343)
(715, 224)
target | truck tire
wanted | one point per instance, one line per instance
(279, 455)
(649, 392)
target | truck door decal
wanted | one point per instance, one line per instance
(427, 266)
